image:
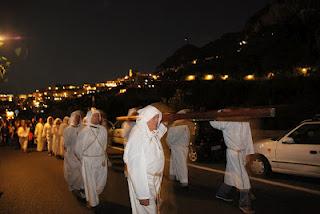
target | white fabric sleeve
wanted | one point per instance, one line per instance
(162, 130)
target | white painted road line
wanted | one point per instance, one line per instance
(274, 183)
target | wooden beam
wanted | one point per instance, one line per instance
(234, 114)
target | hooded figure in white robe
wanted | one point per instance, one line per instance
(38, 135)
(91, 150)
(23, 133)
(47, 134)
(71, 164)
(55, 136)
(178, 139)
(62, 127)
(144, 158)
(238, 139)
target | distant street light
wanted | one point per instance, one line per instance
(249, 77)
(208, 77)
(190, 77)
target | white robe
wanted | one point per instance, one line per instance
(62, 127)
(145, 162)
(48, 135)
(38, 136)
(178, 139)
(238, 139)
(91, 149)
(71, 164)
(55, 139)
(23, 137)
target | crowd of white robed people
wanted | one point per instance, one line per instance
(83, 144)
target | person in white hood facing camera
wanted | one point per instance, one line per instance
(145, 161)
(91, 150)
(238, 139)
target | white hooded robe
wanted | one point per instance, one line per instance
(62, 127)
(38, 136)
(91, 150)
(178, 139)
(56, 136)
(71, 164)
(238, 139)
(145, 162)
(48, 134)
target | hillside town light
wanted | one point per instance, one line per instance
(270, 75)
(190, 77)
(304, 71)
(224, 77)
(122, 91)
(249, 77)
(194, 61)
(208, 77)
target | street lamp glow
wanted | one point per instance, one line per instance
(122, 91)
(225, 77)
(249, 77)
(208, 77)
(190, 77)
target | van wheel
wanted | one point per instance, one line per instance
(193, 155)
(259, 166)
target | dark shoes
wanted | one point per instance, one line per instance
(224, 198)
(98, 209)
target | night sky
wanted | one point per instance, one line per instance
(78, 41)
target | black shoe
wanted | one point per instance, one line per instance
(79, 197)
(98, 209)
(224, 198)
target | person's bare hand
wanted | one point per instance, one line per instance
(144, 202)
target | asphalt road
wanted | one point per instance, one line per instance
(34, 183)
